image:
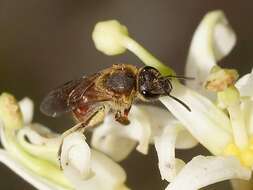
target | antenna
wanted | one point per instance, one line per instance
(168, 90)
(179, 77)
(180, 101)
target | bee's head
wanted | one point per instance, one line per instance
(150, 83)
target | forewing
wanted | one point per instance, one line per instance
(85, 94)
(57, 101)
(72, 95)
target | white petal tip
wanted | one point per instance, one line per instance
(27, 108)
(75, 154)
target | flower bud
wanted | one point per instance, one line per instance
(10, 112)
(108, 37)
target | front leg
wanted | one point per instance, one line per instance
(122, 116)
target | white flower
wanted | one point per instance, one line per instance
(149, 125)
(31, 151)
(244, 85)
(225, 129)
(87, 168)
(212, 40)
(201, 171)
(222, 121)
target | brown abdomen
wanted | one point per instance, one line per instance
(91, 114)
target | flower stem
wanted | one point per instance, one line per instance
(146, 56)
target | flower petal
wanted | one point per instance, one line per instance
(40, 167)
(111, 133)
(165, 147)
(41, 135)
(37, 181)
(245, 85)
(12, 123)
(185, 140)
(139, 130)
(212, 40)
(202, 171)
(88, 169)
(211, 128)
(75, 154)
(247, 109)
(40, 142)
(161, 119)
(107, 174)
(117, 147)
(27, 107)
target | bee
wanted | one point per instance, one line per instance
(113, 89)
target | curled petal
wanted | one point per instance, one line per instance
(139, 130)
(107, 174)
(185, 140)
(165, 147)
(40, 142)
(35, 180)
(117, 147)
(40, 135)
(27, 107)
(118, 141)
(37, 166)
(209, 125)
(202, 171)
(212, 41)
(161, 119)
(75, 155)
(11, 123)
(245, 85)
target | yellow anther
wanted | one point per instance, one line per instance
(232, 150)
(220, 79)
(251, 143)
(245, 156)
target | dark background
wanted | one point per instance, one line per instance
(44, 43)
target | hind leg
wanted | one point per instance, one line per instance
(80, 127)
(95, 116)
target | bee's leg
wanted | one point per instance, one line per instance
(79, 127)
(87, 122)
(122, 117)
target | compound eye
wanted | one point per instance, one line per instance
(148, 95)
(149, 73)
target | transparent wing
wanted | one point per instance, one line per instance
(71, 95)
